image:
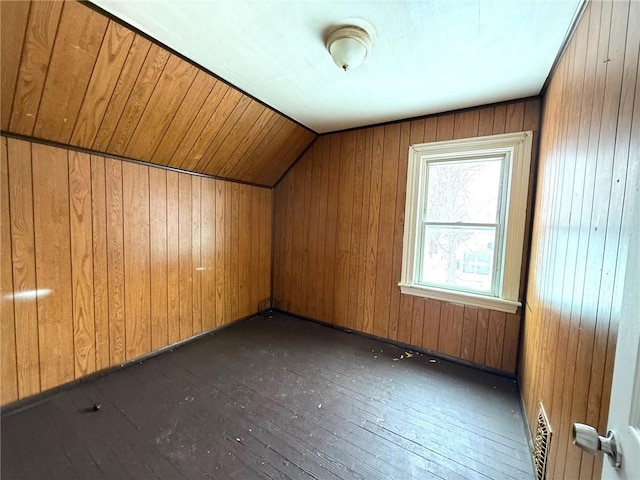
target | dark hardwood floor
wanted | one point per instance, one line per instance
(275, 398)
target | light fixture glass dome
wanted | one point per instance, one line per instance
(349, 46)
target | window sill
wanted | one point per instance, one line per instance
(469, 299)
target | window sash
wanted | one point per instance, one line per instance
(517, 147)
(419, 272)
(499, 225)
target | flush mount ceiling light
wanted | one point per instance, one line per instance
(349, 45)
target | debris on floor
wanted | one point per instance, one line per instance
(403, 356)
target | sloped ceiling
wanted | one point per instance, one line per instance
(73, 76)
(428, 56)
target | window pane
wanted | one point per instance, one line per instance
(463, 191)
(458, 257)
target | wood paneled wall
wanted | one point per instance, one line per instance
(588, 183)
(339, 220)
(73, 76)
(125, 259)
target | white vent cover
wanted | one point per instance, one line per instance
(541, 444)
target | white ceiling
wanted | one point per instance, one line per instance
(428, 56)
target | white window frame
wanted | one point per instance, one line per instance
(516, 150)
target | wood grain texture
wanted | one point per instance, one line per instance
(8, 368)
(72, 75)
(185, 265)
(100, 262)
(81, 222)
(137, 271)
(115, 259)
(176, 79)
(12, 37)
(77, 44)
(339, 225)
(193, 102)
(173, 256)
(127, 77)
(23, 266)
(139, 96)
(158, 257)
(110, 61)
(221, 252)
(196, 255)
(34, 62)
(208, 232)
(588, 164)
(100, 252)
(53, 265)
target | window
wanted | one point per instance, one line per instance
(465, 219)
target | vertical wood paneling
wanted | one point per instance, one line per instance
(185, 266)
(266, 243)
(137, 272)
(585, 159)
(11, 41)
(176, 79)
(159, 262)
(356, 222)
(80, 200)
(226, 127)
(173, 257)
(135, 58)
(431, 327)
(189, 109)
(221, 251)
(383, 317)
(72, 75)
(191, 147)
(8, 368)
(115, 259)
(343, 231)
(244, 253)
(223, 150)
(101, 260)
(255, 245)
(53, 265)
(78, 41)
(34, 63)
(467, 349)
(23, 263)
(297, 247)
(208, 260)
(234, 250)
(481, 336)
(139, 96)
(339, 225)
(396, 262)
(196, 222)
(371, 251)
(495, 339)
(318, 284)
(113, 53)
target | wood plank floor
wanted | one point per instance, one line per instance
(276, 398)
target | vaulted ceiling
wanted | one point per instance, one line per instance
(72, 75)
(75, 75)
(428, 56)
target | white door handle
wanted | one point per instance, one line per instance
(586, 437)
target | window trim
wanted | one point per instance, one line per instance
(517, 147)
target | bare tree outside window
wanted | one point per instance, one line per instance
(461, 211)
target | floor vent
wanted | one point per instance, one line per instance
(541, 444)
